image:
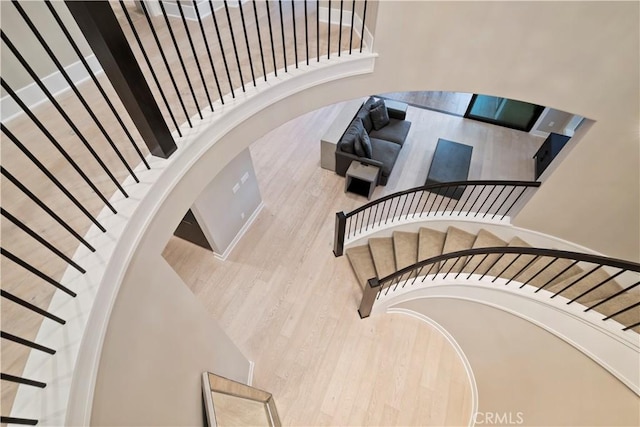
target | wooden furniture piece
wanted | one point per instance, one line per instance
(548, 151)
(361, 179)
(450, 163)
(335, 131)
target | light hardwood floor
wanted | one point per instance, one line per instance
(291, 305)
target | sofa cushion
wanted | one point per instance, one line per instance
(385, 152)
(358, 146)
(365, 143)
(396, 131)
(351, 134)
(379, 115)
(363, 113)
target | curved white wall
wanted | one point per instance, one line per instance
(578, 57)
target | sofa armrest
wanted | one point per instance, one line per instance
(343, 161)
(396, 114)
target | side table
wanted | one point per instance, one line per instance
(361, 179)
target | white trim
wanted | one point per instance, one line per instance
(456, 347)
(243, 230)
(615, 350)
(323, 16)
(32, 96)
(171, 7)
(252, 366)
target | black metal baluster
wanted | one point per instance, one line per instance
(193, 49)
(375, 214)
(318, 29)
(246, 39)
(418, 204)
(491, 266)
(493, 187)
(494, 201)
(622, 311)
(476, 200)
(295, 38)
(631, 326)
(164, 60)
(413, 197)
(364, 17)
(255, 14)
(370, 209)
(73, 87)
(54, 142)
(514, 202)
(353, 15)
(426, 201)
(467, 199)
(469, 258)
(36, 272)
(60, 110)
(20, 380)
(340, 31)
(31, 307)
(428, 272)
(535, 258)
(177, 48)
(443, 196)
(450, 199)
(284, 47)
(329, 32)
(435, 198)
(86, 65)
(306, 31)
(620, 292)
(477, 266)
(40, 240)
(507, 267)
(27, 343)
(503, 202)
(396, 209)
(58, 184)
(556, 276)
(273, 49)
(590, 272)
(539, 272)
(224, 57)
(206, 44)
(20, 421)
(233, 42)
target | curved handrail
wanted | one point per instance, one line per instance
(376, 286)
(499, 200)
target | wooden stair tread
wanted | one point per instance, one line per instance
(484, 239)
(457, 240)
(362, 263)
(405, 246)
(384, 259)
(505, 260)
(430, 243)
(548, 273)
(629, 317)
(583, 285)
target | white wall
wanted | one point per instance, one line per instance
(527, 373)
(574, 56)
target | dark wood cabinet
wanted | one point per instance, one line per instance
(548, 151)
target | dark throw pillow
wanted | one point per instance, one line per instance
(379, 115)
(348, 141)
(365, 142)
(359, 147)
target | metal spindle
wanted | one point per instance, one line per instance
(59, 108)
(340, 31)
(503, 202)
(295, 38)
(27, 343)
(473, 188)
(476, 200)
(631, 326)
(255, 14)
(246, 39)
(353, 15)
(443, 196)
(20, 380)
(477, 266)
(318, 29)
(493, 187)
(306, 31)
(514, 202)
(233, 42)
(50, 137)
(164, 59)
(620, 292)
(73, 87)
(36, 272)
(539, 272)
(494, 201)
(556, 276)
(364, 17)
(206, 44)
(451, 199)
(622, 311)
(224, 57)
(418, 204)
(57, 183)
(40, 240)
(20, 421)
(193, 49)
(329, 32)
(31, 307)
(508, 266)
(273, 49)
(87, 67)
(588, 290)
(177, 48)
(284, 47)
(534, 259)
(491, 266)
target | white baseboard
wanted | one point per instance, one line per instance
(32, 96)
(243, 230)
(323, 14)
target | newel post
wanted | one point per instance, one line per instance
(368, 297)
(338, 238)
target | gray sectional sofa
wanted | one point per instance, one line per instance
(379, 147)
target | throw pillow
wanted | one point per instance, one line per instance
(347, 143)
(379, 115)
(365, 142)
(359, 147)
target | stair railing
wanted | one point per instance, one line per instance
(460, 198)
(484, 259)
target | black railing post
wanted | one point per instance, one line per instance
(103, 33)
(368, 297)
(338, 239)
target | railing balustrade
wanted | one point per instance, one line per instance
(472, 199)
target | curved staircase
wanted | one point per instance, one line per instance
(591, 286)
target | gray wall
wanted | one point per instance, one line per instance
(521, 368)
(553, 121)
(220, 211)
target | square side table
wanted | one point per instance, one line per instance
(361, 179)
